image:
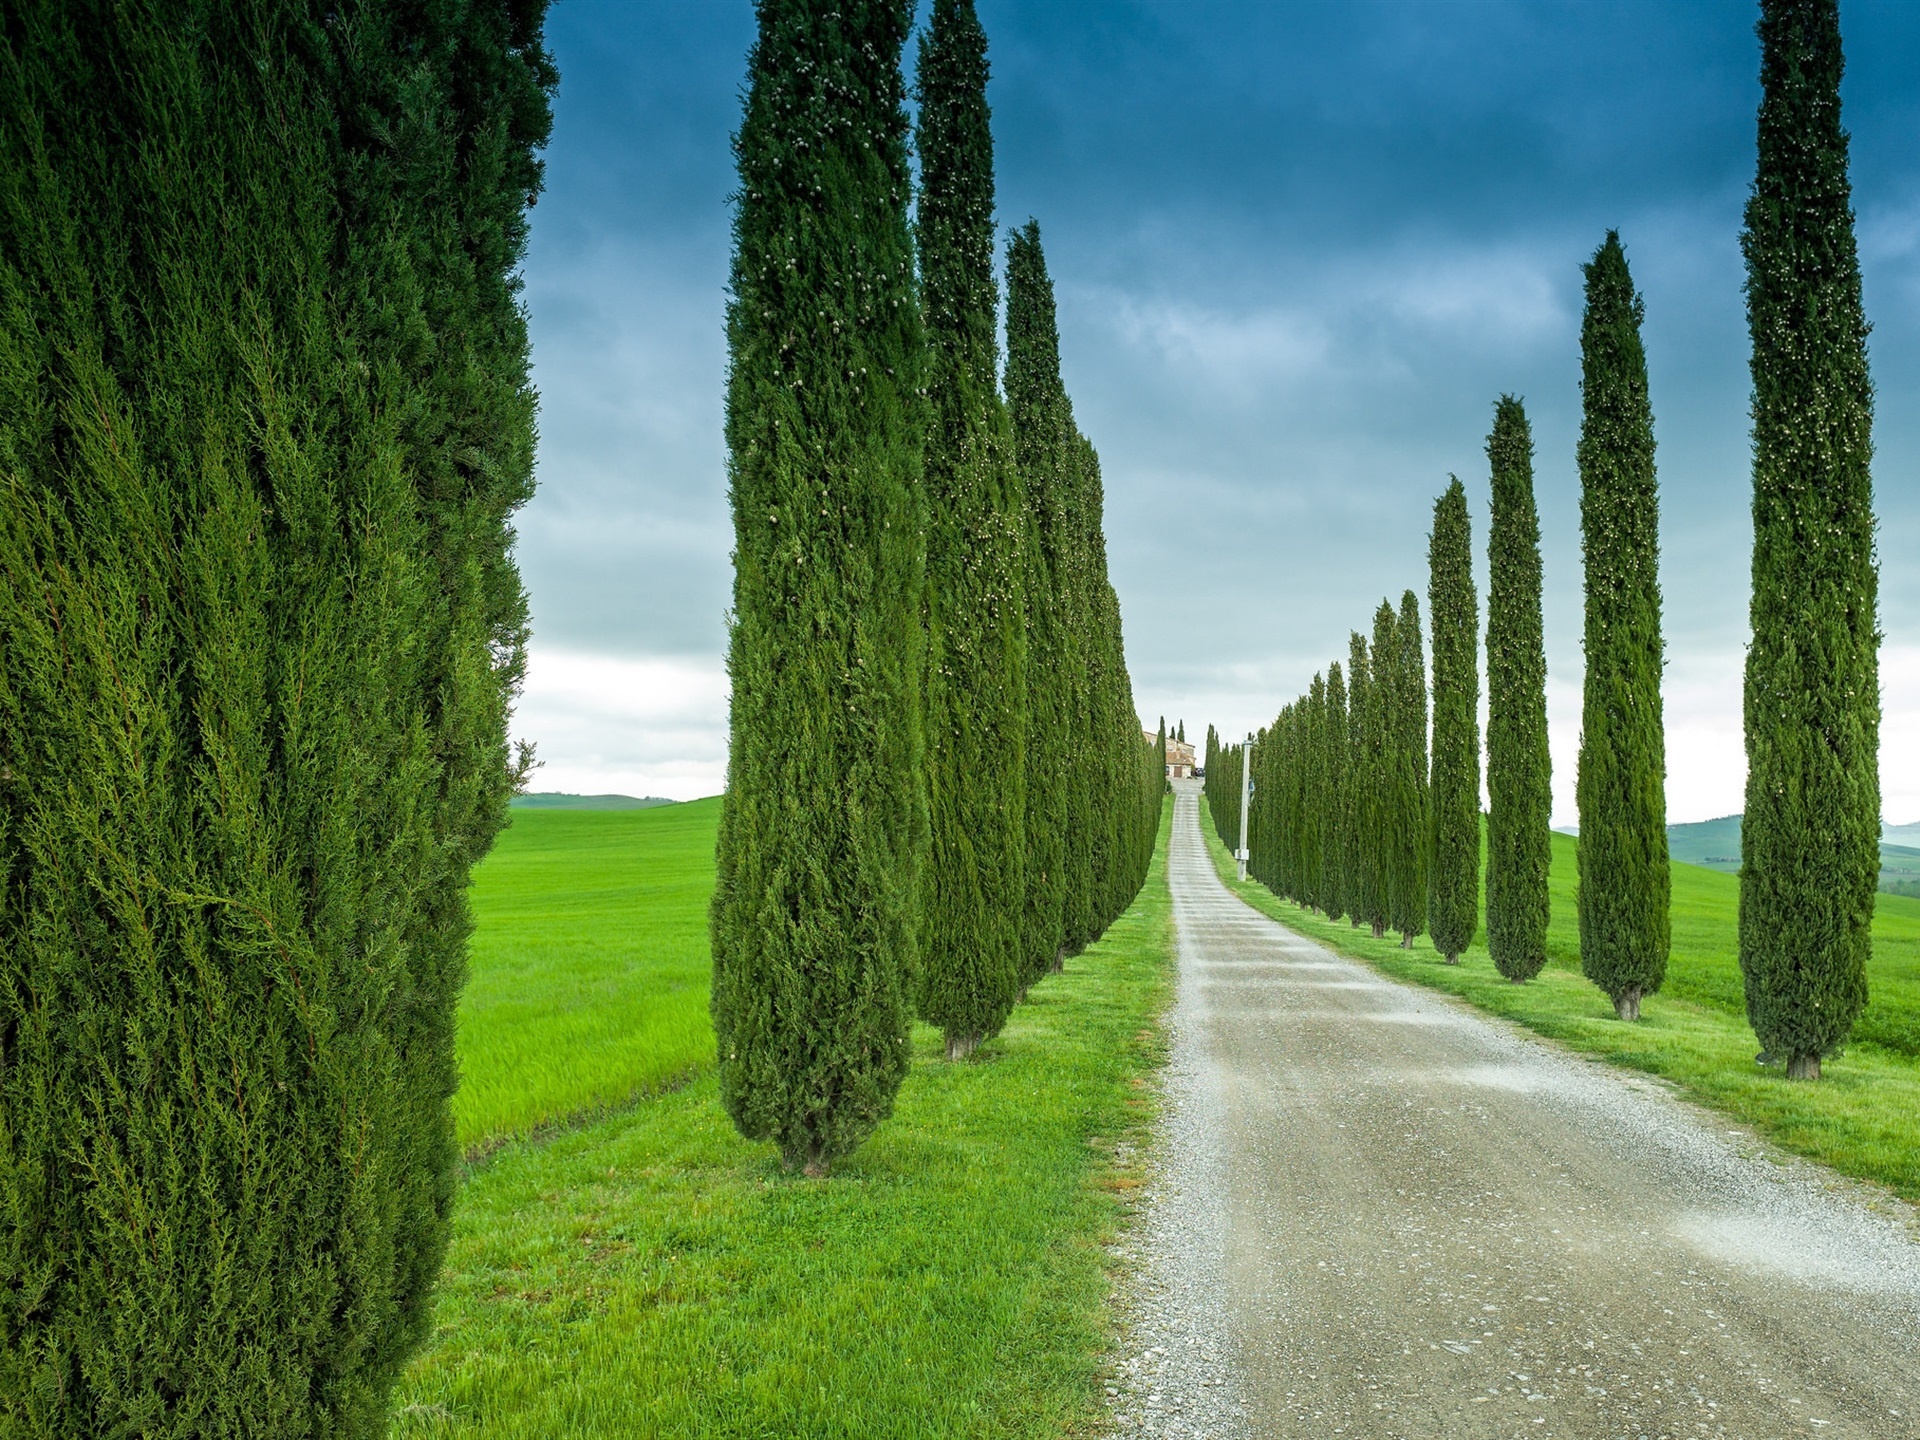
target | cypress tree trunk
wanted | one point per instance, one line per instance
(1034, 406)
(1519, 771)
(976, 725)
(1333, 765)
(1453, 884)
(1410, 775)
(824, 826)
(1809, 842)
(264, 419)
(1623, 891)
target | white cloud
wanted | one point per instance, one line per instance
(606, 724)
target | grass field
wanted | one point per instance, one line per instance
(589, 970)
(1862, 1119)
(650, 1273)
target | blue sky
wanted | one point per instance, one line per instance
(1299, 249)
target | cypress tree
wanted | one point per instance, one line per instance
(1623, 894)
(1409, 832)
(1313, 796)
(265, 416)
(1333, 766)
(1809, 843)
(824, 826)
(1453, 874)
(1383, 826)
(1519, 771)
(1035, 407)
(976, 524)
(1357, 838)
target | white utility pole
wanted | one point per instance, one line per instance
(1246, 784)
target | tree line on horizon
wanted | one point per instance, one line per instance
(937, 785)
(1349, 814)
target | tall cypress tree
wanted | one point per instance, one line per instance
(1333, 765)
(1453, 855)
(1313, 796)
(1382, 826)
(1809, 843)
(1409, 752)
(1357, 837)
(1035, 406)
(976, 527)
(1623, 892)
(1519, 773)
(265, 416)
(824, 826)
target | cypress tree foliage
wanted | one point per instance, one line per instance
(1453, 874)
(1357, 835)
(1623, 892)
(824, 828)
(264, 420)
(976, 693)
(1518, 765)
(1040, 435)
(1810, 838)
(1333, 767)
(1181, 734)
(1407, 837)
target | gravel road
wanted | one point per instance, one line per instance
(1379, 1214)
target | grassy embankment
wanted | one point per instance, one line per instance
(1862, 1118)
(648, 1272)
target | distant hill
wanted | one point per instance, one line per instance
(1716, 845)
(1712, 843)
(554, 800)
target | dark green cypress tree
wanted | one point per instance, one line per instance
(1034, 404)
(1333, 767)
(1382, 826)
(1408, 833)
(265, 416)
(1357, 836)
(976, 695)
(1519, 773)
(1809, 843)
(1623, 892)
(824, 826)
(1313, 796)
(1453, 855)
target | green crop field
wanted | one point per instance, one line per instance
(1863, 1118)
(624, 1264)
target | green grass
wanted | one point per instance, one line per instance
(650, 1273)
(589, 966)
(1862, 1118)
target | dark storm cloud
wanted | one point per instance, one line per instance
(1299, 250)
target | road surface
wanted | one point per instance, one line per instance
(1383, 1215)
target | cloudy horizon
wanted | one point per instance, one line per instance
(1299, 252)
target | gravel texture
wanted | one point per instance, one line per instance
(1378, 1213)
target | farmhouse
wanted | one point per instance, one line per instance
(1179, 757)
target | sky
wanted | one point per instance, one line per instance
(1299, 250)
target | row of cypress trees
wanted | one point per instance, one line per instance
(1353, 815)
(1810, 832)
(265, 417)
(937, 784)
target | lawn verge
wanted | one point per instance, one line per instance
(1862, 1119)
(654, 1274)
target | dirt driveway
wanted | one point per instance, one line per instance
(1385, 1216)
